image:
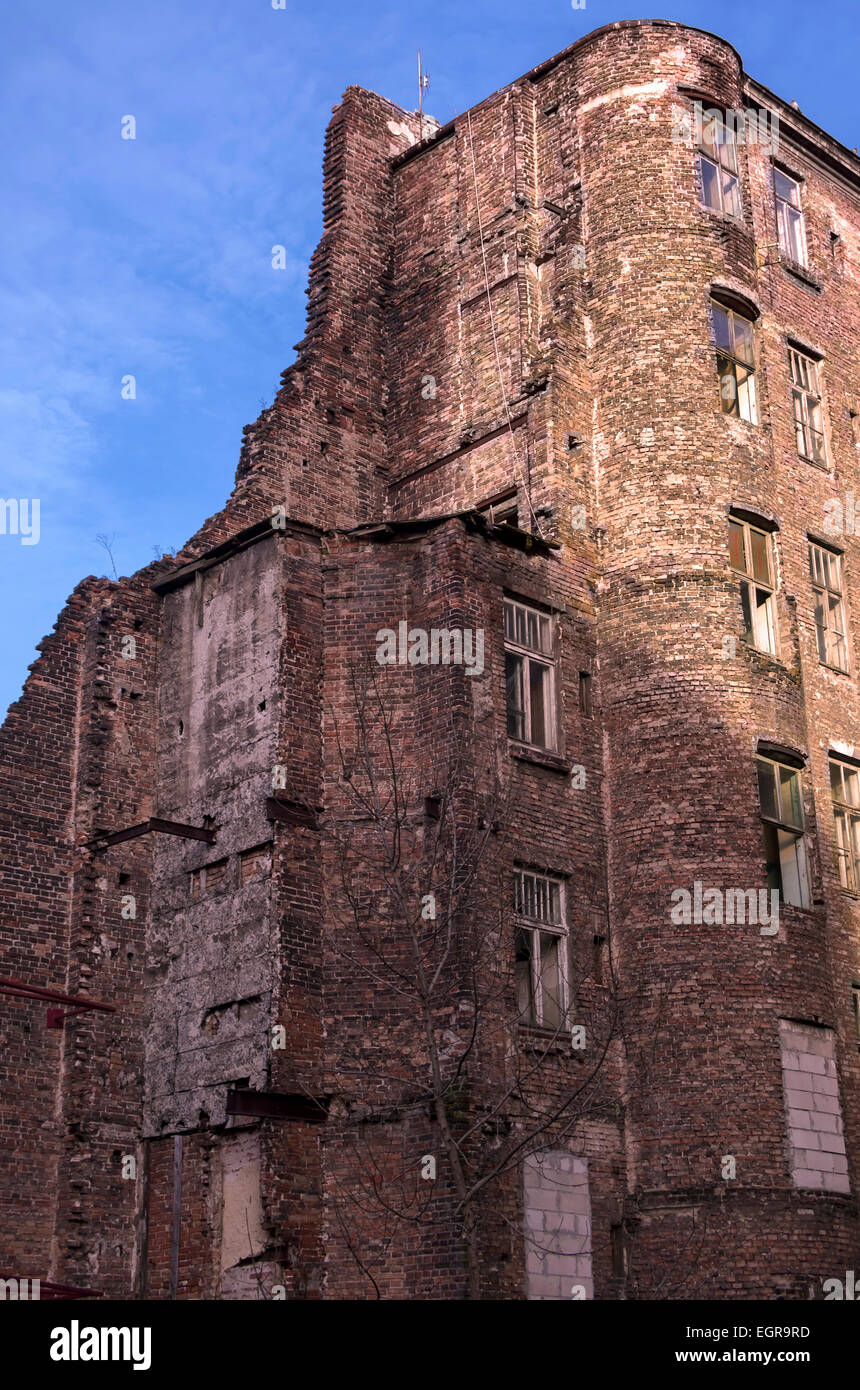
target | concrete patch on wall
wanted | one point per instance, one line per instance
(558, 1226)
(815, 1134)
(211, 949)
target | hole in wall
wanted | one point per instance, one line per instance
(181, 728)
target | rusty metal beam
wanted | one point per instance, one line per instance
(48, 1291)
(291, 812)
(20, 989)
(154, 825)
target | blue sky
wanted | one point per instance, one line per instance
(152, 256)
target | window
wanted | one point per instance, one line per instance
(855, 1002)
(505, 513)
(845, 792)
(789, 217)
(806, 395)
(751, 557)
(205, 880)
(733, 339)
(718, 166)
(255, 863)
(540, 966)
(585, 702)
(530, 674)
(782, 820)
(811, 1087)
(826, 572)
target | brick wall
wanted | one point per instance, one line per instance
(514, 307)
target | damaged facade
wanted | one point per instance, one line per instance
(592, 389)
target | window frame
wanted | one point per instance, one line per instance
(846, 838)
(783, 826)
(807, 402)
(539, 926)
(749, 582)
(499, 509)
(731, 361)
(200, 882)
(711, 155)
(785, 226)
(529, 657)
(826, 655)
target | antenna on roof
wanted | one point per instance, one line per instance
(423, 81)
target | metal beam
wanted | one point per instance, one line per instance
(154, 825)
(19, 989)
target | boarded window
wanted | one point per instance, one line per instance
(815, 1135)
(208, 879)
(256, 862)
(558, 1227)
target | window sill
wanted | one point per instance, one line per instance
(725, 219)
(530, 753)
(547, 1040)
(738, 419)
(835, 670)
(802, 273)
(814, 463)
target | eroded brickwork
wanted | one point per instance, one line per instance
(513, 311)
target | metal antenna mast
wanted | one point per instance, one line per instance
(423, 81)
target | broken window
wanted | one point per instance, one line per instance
(733, 337)
(806, 398)
(718, 166)
(503, 511)
(845, 793)
(751, 558)
(789, 218)
(540, 951)
(781, 803)
(530, 675)
(826, 572)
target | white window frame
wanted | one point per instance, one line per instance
(791, 867)
(530, 639)
(807, 406)
(790, 221)
(736, 361)
(831, 630)
(718, 150)
(845, 795)
(761, 632)
(547, 894)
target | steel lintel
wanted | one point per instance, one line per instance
(154, 825)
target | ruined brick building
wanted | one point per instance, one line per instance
(581, 377)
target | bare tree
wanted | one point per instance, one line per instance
(107, 543)
(424, 916)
